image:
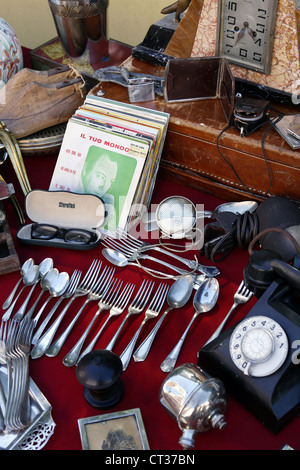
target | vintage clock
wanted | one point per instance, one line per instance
(245, 32)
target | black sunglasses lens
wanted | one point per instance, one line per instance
(44, 232)
(79, 237)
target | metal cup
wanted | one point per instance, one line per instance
(81, 25)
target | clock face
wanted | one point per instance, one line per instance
(246, 32)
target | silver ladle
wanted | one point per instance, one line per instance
(29, 279)
(45, 284)
(25, 267)
(204, 300)
(178, 296)
(120, 260)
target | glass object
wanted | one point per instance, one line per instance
(48, 232)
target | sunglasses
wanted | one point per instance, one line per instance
(76, 236)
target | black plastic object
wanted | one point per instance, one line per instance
(275, 399)
(279, 212)
(264, 267)
(99, 372)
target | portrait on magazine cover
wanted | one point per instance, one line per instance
(108, 174)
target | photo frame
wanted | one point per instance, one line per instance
(122, 430)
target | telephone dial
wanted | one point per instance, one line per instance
(255, 358)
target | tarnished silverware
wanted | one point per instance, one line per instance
(107, 298)
(152, 312)
(137, 306)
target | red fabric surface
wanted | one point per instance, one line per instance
(142, 381)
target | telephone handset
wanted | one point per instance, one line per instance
(254, 358)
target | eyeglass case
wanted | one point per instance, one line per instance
(65, 210)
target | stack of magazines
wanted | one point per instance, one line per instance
(112, 150)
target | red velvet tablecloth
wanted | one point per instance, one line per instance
(142, 381)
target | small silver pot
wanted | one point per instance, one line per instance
(196, 401)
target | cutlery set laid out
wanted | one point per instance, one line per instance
(24, 336)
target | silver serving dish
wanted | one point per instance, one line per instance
(41, 426)
(42, 142)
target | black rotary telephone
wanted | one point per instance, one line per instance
(257, 359)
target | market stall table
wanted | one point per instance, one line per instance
(142, 381)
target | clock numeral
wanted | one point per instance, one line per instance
(257, 57)
(260, 28)
(243, 53)
(263, 14)
(230, 34)
(231, 20)
(232, 6)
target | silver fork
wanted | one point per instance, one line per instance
(115, 310)
(152, 312)
(129, 245)
(83, 289)
(105, 303)
(137, 306)
(22, 413)
(3, 334)
(95, 294)
(242, 296)
(17, 413)
(73, 284)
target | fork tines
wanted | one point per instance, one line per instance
(143, 294)
(159, 297)
(91, 274)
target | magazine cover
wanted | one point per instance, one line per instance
(92, 161)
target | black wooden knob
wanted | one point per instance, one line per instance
(99, 372)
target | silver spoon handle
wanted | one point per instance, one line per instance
(114, 338)
(58, 344)
(31, 311)
(143, 350)
(209, 271)
(43, 343)
(20, 313)
(8, 312)
(45, 322)
(38, 315)
(91, 345)
(9, 299)
(169, 363)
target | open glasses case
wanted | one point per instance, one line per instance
(65, 210)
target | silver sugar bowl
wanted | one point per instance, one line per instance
(196, 401)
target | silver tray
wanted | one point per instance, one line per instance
(42, 142)
(41, 426)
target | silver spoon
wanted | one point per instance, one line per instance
(178, 295)
(57, 287)
(29, 279)
(120, 260)
(27, 265)
(45, 284)
(44, 267)
(204, 300)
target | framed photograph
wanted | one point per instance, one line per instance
(123, 430)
